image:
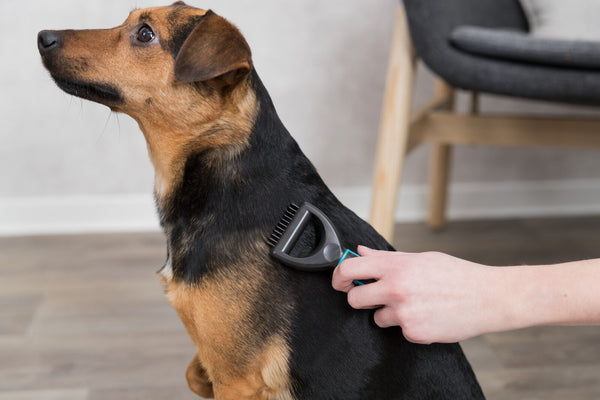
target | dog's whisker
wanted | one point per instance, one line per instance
(118, 123)
(104, 129)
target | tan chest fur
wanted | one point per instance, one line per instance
(216, 314)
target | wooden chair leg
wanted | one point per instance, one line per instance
(439, 174)
(440, 169)
(394, 129)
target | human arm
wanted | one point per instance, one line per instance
(435, 297)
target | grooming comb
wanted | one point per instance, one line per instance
(327, 254)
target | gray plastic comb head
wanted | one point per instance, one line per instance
(289, 229)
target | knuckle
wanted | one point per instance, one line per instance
(395, 297)
(342, 271)
(400, 315)
(413, 337)
(336, 282)
(380, 320)
(413, 331)
(413, 334)
(397, 292)
(432, 255)
(339, 280)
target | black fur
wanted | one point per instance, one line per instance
(226, 203)
(180, 30)
(102, 93)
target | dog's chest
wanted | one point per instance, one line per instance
(216, 316)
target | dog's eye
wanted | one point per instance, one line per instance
(145, 34)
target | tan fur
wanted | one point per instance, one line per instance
(170, 143)
(172, 125)
(215, 314)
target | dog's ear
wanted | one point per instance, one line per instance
(214, 50)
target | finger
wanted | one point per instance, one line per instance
(366, 296)
(341, 286)
(386, 317)
(342, 279)
(359, 268)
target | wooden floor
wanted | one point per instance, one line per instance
(84, 317)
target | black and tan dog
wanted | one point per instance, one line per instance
(226, 169)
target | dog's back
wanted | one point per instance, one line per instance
(339, 352)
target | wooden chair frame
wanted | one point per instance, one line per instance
(401, 130)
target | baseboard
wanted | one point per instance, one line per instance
(77, 214)
(490, 200)
(131, 213)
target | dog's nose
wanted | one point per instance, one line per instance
(48, 40)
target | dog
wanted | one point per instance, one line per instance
(226, 168)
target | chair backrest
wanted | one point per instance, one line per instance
(431, 21)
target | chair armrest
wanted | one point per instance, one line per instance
(523, 47)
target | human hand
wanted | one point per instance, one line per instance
(434, 297)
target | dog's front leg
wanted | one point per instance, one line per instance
(197, 379)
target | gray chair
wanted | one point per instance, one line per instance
(479, 46)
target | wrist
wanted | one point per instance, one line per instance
(518, 298)
(534, 295)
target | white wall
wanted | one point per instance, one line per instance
(71, 165)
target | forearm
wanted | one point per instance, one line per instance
(561, 294)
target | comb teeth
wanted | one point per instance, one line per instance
(282, 225)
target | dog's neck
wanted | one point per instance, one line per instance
(232, 197)
(175, 132)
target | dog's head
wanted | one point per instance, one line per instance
(179, 71)
(155, 52)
